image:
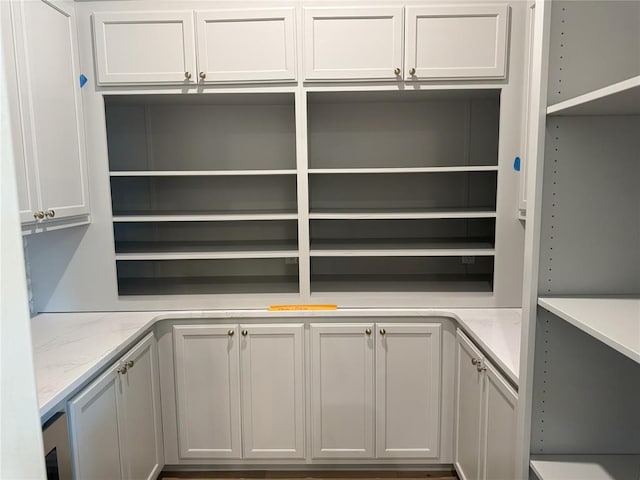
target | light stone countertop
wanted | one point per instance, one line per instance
(72, 348)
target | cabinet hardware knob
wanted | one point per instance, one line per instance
(231, 333)
(481, 369)
(50, 213)
(412, 71)
(245, 333)
(368, 331)
(187, 75)
(383, 331)
(203, 75)
(129, 364)
(396, 71)
(475, 361)
(38, 215)
(122, 370)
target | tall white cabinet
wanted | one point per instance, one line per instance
(49, 123)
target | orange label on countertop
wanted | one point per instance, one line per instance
(276, 308)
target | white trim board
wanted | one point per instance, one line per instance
(586, 467)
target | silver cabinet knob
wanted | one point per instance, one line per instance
(481, 368)
(203, 75)
(245, 333)
(50, 213)
(187, 75)
(368, 331)
(122, 370)
(231, 333)
(412, 71)
(383, 331)
(129, 364)
(475, 361)
(397, 71)
(38, 215)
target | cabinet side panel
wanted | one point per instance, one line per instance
(586, 395)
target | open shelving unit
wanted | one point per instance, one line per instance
(204, 194)
(402, 190)
(586, 380)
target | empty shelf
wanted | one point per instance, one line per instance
(622, 98)
(586, 467)
(613, 321)
(405, 248)
(208, 285)
(196, 173)
(377, 214)
(401, 283)
(469, 168)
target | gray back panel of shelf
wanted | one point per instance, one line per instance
(590, 236)
(593, 44)
(586, 395)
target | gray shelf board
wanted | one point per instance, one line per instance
(622, 98)
(586, 467)
(323, 97)
(417, 213)
(204, 250)
(208, 285)
(613, 321)
(471, 243)
(401, 283)
(203, 98)
(202, 216)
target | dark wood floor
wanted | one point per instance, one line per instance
(306, 475)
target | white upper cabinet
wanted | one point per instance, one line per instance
(407, 390)
(353, 43)
(456, 41)
(52, 127)
(144, 47)
(246, 45)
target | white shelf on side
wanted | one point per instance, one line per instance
(613, 321)
(469, 168)
(203, 255)
(202, 217)
(197, 173)
(621, 98)
(408, 252)
(586, 467)
(377, 214)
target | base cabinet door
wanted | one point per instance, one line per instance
(342, 390)
(469, 383)
(142, 455)
(208, 391)
(272, 362)
(95, 416)
(408, 390)
(500, 403)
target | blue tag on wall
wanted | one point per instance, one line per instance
(516, 164)
(83, 80)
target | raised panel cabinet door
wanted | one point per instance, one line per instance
(456, 41)
(51, 104)
(152, 47)
(272, 361)
(353, 43)
(342, 390)
(142, 453)
(408, 377)
(207, 390)
(95, 417)
(499, 427)
(251, 45)
(468, 406)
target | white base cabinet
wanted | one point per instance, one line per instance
(485, 417)
(369, 377)
(221, 416)
(116, 430)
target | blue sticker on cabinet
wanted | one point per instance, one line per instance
(83, 80)
(516, 164)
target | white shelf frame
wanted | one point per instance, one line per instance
(210, 255)
(622, 98)
(409, 252)
(240, 217)
(406, 215)
(198, 173)
(614, 322)
(470, 168)
(586, 467)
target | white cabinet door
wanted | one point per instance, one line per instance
(272, 363)
(149, 47)
(408, 390)
(142, 450)
(342, 390)
(499, 419)
(353, 43)
(52, 122)
(208, 391)
(95, 417)
(469, 384)
(246, 45)
(455, 41)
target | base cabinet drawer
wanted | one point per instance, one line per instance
(116, 431)
(485, 417)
